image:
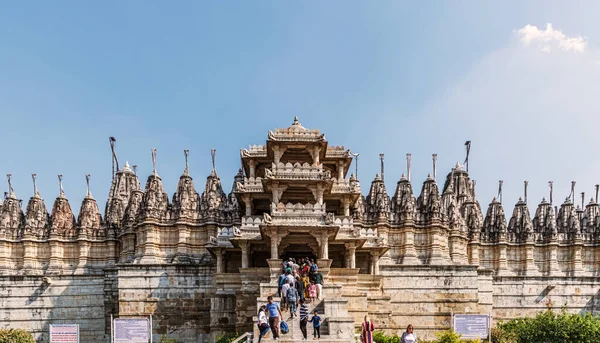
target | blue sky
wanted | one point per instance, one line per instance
(377, 77)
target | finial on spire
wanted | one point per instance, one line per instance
(296, 122)
(526, 183)
(408, 166)
(213, 152)
(582, 200)
(154, 162)
(597, 187)
(382, 166)
(35, 190)
(10, 189)
(356, 163)
(87, 181)
(135, 169)
(62, 191)
(468, 147)
(551, 185)
(500, 183)
(434, 167)
(112, 141)
(186, 153)
(572, 195)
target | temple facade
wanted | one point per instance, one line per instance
(201, 263)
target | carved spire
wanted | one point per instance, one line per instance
(567, 220)
(403, 201)
(62, 219)
(37, 218)
(11, 216)
(213, 199)
(123, 184)
(378, 202)
(185, 199)
(520, 226)
(429, 201)
(544, 221)
(494, 224)
(155, 201)
(89, 220)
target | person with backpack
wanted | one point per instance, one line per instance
(303, 319)
(292, 300)
(263, 323)
(274, 316)
(280, 283)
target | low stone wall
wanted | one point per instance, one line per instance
(34, 302)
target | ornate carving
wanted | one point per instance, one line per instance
(213, 199)
(155, 201)
(404, 202)
(378, 202)
(11, 217)
(62, 219)
(123, 184)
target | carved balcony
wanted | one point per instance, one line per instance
(299, 215)
(254, 151)
(296, 172)
(336, 152)
(250, 185)
(295, 135)
(345, 187)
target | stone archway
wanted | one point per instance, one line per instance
(298, 246)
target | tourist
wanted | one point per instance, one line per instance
(312, 292)
(300, 287)
(284, 290)
(290, 278)
(306, 282)
(366, 331)
(316, 320)
(274, 315)
(409, 336)
(292, 300)
(303, 319)
(280, 282)
(319, 283)
(305, 267)
(263, 323)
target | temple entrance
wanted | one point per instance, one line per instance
(297, 251)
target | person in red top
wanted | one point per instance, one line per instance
(366, 331)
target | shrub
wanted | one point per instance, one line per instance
(165, 339)
(227, 338)
(15, 336)
(549, 327)
(380, 337)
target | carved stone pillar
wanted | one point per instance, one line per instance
(244, 246)
(375, 263)
(577, 262)
(278, 153)
(219, 253)
(474, 252)
(346, 204)
(274, 244)
(340, 171)
(410, 252)
(324, 245)
(351, 252)
(502, 259)
(553, 256)
(247, 203)
(252, 165)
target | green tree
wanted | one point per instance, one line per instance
(15, 336)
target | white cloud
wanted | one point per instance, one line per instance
(549, 38)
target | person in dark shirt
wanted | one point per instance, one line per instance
(303, 319)
(300, 287)
(316, 320)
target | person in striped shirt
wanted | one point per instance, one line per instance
(303, 319)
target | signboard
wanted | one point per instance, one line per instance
(472, 325)
(131, 330)
(64, 333)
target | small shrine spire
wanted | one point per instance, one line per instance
(500, 183)
(382, 166)
(356, 164)
(408, 166)
(87, 182)
(62, 191)
(35, 190)
(526, 184)
(434, 166)
(186, 153)
(551, 185)
(154, 162)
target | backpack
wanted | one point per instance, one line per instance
(284, 327)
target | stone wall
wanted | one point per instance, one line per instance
(34, 302)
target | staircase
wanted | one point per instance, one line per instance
(337, 326)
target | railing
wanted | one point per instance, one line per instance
(254, 151)
(297, 171)
(250, 185)
(345, 187)
(246, 337)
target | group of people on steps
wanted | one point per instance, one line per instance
(273, 321)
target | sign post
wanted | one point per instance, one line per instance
(131, 330)
(64, 333)
(472, 325)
